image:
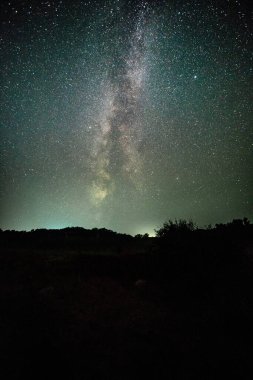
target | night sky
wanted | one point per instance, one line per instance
(124, 114)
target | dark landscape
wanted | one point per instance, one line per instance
(132, 116)
(94, 304)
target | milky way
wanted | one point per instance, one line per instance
(125, 113)
(115, 150)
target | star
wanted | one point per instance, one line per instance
(126, 111)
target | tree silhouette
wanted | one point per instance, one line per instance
(180, 226)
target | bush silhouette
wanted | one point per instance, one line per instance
(177, 227)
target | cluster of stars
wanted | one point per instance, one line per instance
(124, 113)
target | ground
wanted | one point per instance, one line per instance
(155, 314)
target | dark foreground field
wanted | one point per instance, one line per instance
(158, 309)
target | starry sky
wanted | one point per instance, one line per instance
(123, 114)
